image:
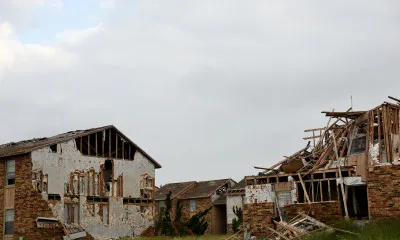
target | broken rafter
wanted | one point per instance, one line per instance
(352, 115)
(395, 99)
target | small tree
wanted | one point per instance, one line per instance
(198, 224)
(238, 220)
(166, 224)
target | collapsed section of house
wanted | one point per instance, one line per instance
(94, 183)
(348, 169)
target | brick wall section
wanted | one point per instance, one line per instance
(258, 216)
(326, 212)
(384, 192)
(2, 182)
(201, 205)
(29, 204)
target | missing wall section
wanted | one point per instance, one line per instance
(107, 143)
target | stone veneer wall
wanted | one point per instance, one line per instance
(384, 192)
(326, 212)
(258, 216)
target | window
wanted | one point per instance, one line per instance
(192, 205)
(105, 214)
(161, 206)
(9, 226)
(10, 174)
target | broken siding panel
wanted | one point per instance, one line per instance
(231, 202)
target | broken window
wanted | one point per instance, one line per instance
(10, 174)
(359, 141)
(192, 205)
(9, 222)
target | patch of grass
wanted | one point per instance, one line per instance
(208, 237)
(384, 230)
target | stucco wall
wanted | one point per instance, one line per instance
(232, 201)
(259, 194)
(124, 220)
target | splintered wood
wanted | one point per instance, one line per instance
(300, 226)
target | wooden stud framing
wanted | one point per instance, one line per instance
(329, 190)
(103, 138)
(88, 144)
(320, 189)
(123, 150)
(304, 188)
(116, 145)
(379, 133)
(81, 144)
(109, 142)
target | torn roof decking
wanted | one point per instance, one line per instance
(381, 122)
(26, 146)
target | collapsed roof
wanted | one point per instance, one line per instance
(367, 137)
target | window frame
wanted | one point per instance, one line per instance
(192, 205)
(7, 172)
(5, 222)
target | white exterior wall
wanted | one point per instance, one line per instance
(263, 193)
(259, 193)
(232, 201)
(68, 159)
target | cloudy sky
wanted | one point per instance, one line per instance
(208, 88)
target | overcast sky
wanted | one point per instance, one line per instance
(208, 88)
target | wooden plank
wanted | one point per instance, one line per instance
(88, 143)
(314, 129)
(81, 144)
(379, 132)
(123, 150)
(313, 137)
(341, 178)
(130, 153)
(9, 197)
(304, 188)
(329, 190)
(103, 138)
(116, 145)
(109, 142)
(320, 190)
(272, 230)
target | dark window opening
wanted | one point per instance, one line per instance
(330, 175)
(317, 191)
(272, 180)
(345, 173)
(53, 148)
(54, 197)
(107, 143)
(120, 145)
(113, 144)
(325, 192)
(333, 188)
(318, 175)
(108, 171)
(284, 179)
(92, 146)
(85, 150)
(300, 194)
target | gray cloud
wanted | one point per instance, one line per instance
(210, 89)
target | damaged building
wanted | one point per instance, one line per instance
(196, 197)
(85, 184)
(348, 169)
